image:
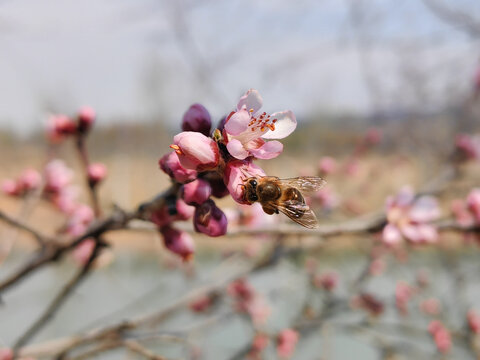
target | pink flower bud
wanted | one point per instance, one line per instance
(86, 118)
(327, 165)
(178, 242)
(96, 172)
(473, 321)
(467, 146)
(236, 172)
(165, 216)
(59, 127)
(259, 343)
(29, 180)
(197, 119)
(369, 303)
(430, 306)
(196, 151)
(403, 293)
(473, 203)
(286, 342)
(202, 303)
(9, 187)
(327, 281)
(441, 336)
(240, 289)
(6, 354)
(196, 192)
(170, 164)
(210, 220)
(83, 251)
(373, 136)
(57, 175)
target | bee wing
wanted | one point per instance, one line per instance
(306, 184)
(299, 212)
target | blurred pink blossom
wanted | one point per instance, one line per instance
(57, 175)
(287, 340)
(327, 281)
(403, 293)
(246, 128)
(30, 179)
(247, 300)
(473, 320)
(79, 220)
(259, 343)
(9, 187)
(377, 266)
(327, 198)
(410, 218)
(441, 336)
(96, 172)
(430, 306)
(196, 151)
(373, 136)
(178, 242)
(327, 165)
(236, 172)
(86, 117)
(468, 146)
(202, 303)
(6, 354)
(83, 251)
(198, 119)
(59, 127)
(368, 302)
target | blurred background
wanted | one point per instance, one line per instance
(399, 77)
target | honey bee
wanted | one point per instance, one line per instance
(284, 195)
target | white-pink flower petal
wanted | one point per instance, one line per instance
(238, 122)
(236, 149)
(284, 126)
(268, 150)
(391, 235)
(251, 100)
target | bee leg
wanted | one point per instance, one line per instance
(269, 210)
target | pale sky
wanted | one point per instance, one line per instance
(131, 59)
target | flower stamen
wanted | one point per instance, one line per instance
(177, 149)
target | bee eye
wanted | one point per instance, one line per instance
(254, 197)
(253, 182)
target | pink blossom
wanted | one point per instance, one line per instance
(327, 281)
(259, 343)
(79, 220)
(10, 187)
(202, 303)
(210, 220)
(198, 119)
(164, 215)
(468, 146)
(373, 136)
(170, 164)
(410, 218)
(6, 354)
(30, 179)
(258, 310)
(430, 306)
(241, 290)
(83, 251)
(403, 293)
(441, 336)
(352, 167)
(369, 303)
(196, 192)
(57, 175)
(196, 151)
(246, 129)
(96, 172)
(287, 340)
(59, 127)
(327, 198)
(65, 199)
(236, 172)
(178, 242)
(473, 203)
(327, 165)
(86, 118)
(473, 320)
